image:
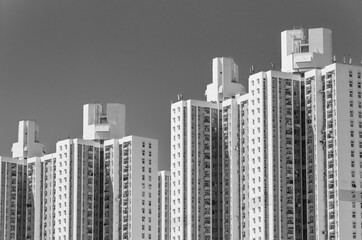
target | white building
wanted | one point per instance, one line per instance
(334, 114)
(285, 158)
(281, 177)
(333, 123)
(17, 215)
(130, 188)
(101, 187)
(202, 176)
(164, 205)
(275, 169)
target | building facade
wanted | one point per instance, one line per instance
(334, 95)
(90, 188)
(130, 194)
(274, 154)
(200, 190)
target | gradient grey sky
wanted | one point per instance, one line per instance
(56, 56)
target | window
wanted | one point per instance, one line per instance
(350, 74)
(351, 123)
(359, 94)
(352, 143)
(350, 83)
(351, 103)
(359, 75)
(359, 85)
(350, 93)
(351, 113)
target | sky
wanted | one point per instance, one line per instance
(56, 56)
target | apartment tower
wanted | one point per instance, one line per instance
(203, 186)
(274, 154)
(90, 188)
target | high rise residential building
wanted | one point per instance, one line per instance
(275, 152)
(130, 188)
(334, 141)
(194, 207)
(101, 187)
(164, 205)
(279, 162)
(200, 192)
(16, 212)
